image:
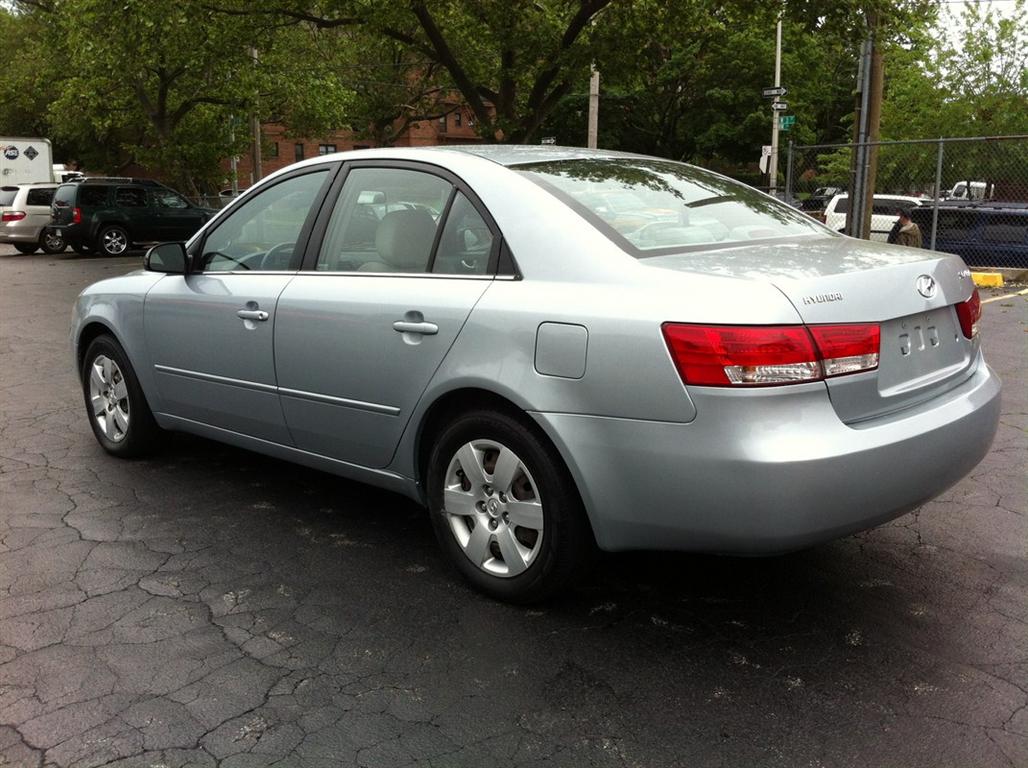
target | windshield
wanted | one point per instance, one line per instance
(650, 207)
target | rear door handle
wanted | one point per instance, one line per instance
(253, 314)
(425, 329)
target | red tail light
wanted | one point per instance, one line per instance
(12, 216)
(969, 313)
(76, 215)
(733, 355)
(847, 348)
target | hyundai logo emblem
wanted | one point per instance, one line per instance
(925, 285)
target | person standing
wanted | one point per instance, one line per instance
(909, 233)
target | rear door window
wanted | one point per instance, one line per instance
(384, 220)
(130, 197)
(39, 197)
(93, 197)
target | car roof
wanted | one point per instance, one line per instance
(1006, 206)
(519, 154)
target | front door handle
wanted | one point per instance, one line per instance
(253, 314)
(406, 326)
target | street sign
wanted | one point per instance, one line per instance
(778, 90)
(785, 122)
(779, 106)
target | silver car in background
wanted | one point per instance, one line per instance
(553, 349)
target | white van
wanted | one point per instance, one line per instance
(883, 215)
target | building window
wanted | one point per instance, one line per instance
(273, 149)
(298, 151)
(326, 149)
(442, 124)
(362, 146)
(457, 118)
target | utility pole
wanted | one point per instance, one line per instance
(255, 127)
(874, 118)
(858, 162)
(594, 107)
(235, 158)
(773, 160)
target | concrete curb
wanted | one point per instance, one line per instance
(987, 279)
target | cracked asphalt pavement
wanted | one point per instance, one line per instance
(211, 607)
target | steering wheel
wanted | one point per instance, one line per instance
(210, 256)
(276, 253)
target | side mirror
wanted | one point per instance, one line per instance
(169, 258)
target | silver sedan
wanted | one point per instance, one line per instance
(554, 350)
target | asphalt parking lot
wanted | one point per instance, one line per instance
(213, 607)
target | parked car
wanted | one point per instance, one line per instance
(883, 215)
(820, 198)
(984, 234)
(960, 191)
(109, 215)
(546, 378)
(25, 216)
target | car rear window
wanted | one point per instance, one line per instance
(7, 195)
(65, 194)
(650, 207)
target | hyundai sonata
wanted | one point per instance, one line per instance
(553, 350)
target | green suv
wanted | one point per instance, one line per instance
(108, 216)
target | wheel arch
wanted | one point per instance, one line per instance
(464, 399)
(89, 331)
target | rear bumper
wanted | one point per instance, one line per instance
(11, 235)
(73, 234)
(762, 472)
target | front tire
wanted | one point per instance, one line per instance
(504, 508)
(112, 241)
(118, 412)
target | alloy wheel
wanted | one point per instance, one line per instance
(114, 242)
(493, 508)
(108, 396)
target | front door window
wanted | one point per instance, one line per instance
(262, 234)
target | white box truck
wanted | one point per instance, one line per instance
(25, 160)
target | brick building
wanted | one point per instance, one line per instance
(281, 150)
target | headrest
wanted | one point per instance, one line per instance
(404, 239)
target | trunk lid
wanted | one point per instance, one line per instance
(911, 293)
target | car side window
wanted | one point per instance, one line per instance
(165, 198)
(384, 220)
(130, 197)
(466, 242)
(262, 234)
(39, 197)
(92, 197)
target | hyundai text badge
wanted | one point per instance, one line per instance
(925, 285)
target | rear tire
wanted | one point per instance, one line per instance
(26, 248)
(505, 510)
(117, 410)
(52, 243)
(113, 241)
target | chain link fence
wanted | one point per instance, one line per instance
(968, 196)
